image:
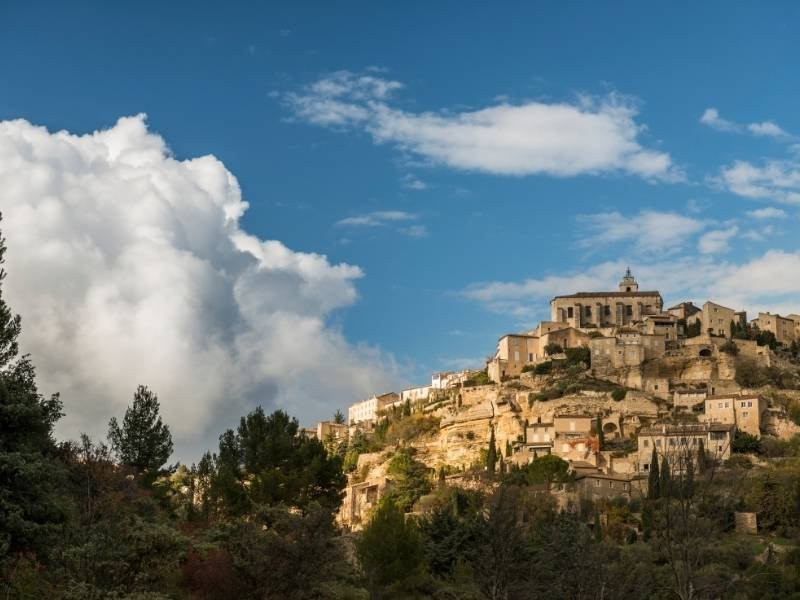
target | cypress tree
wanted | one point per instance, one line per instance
(701, 457)
(407, 408)
(601, 436)
(442, 480)
(491, 455)
(598, 530)
(508, 448)
(653, 480)
(665, 485)
(688, 477)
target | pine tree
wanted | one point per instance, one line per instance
(30, 506)
(144, 441)
(338, 417)
(491, 455)
(665, 485)
(701, 457)
(653, 479)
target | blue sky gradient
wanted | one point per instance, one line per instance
(225, 79)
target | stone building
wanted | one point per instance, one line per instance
(573, 437)
(516, 350)
(594, 483)
(419, 393)
(744, 411)
(685, 311)
(329, 429)
(367, 411)
(784, 328)
(444, 380)
(716, 319)
(679, 440)
(606, 309)
(665, 325)
(627, 348)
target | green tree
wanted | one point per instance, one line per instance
(391, 552)
(410, 479)
(338, 417)
(407, 408)
(701, 457)
(653, 478)
(491, 454)
(601, 436)
(665, 483)
(31, 507)
(509, 449)
(546, 470)
(144, 441)
(282, 466)
(745, 443)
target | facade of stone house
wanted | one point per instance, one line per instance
(716, 319)
(367, 411)
(783, 328)
(679, 440)
(606, 309)
(744, 411)
(419, 393)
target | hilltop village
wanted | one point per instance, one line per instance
(612, 380)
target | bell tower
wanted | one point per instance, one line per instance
(628, 283)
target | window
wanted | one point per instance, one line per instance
(597, 483)
(744, 415)
(516, 355)
(726, 405)
(646, 466)
(671, 441)
(588, 311)
(658, 443)
(611, 484)
(749, 405)
(530, 357)
(607, 310)
(646, 443)
(570, 312)
(720, 405)
(625, 486)
(628, 310)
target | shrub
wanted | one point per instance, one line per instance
(578, 356)
(744, 442)
(729, 347)
(738, 461)
(544, 368)
(479, 378)
(553, 348)
(619, 394)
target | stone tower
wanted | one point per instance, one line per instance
(628, 283)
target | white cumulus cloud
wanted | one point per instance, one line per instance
(773, 180)
(130, 266)
(716, 241)
(649, 231)
(589, 136)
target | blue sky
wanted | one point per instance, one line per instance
(445, 179)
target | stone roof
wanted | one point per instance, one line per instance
(610, 295)
(735, 396)
(683, 428)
